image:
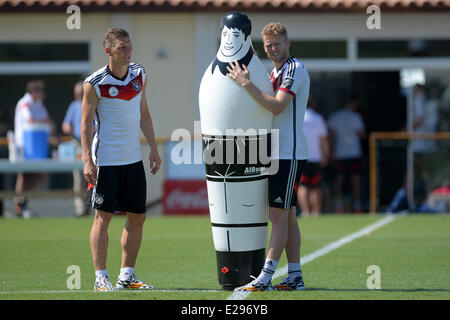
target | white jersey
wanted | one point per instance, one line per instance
(346, 124)
(315, 129)
(27, 110)
(426, 111)
(118, 115)
(292, 78)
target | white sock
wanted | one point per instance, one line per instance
(268, 270)
(126, 273)
(101, 273)
(294, 270)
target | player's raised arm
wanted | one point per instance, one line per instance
(276, 104)
(88, 106)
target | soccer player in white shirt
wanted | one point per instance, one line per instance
(29, 109)
(291, 83)
(309, 194)
(115, 96)
(346, 132)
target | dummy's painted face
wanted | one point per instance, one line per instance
(232, 41)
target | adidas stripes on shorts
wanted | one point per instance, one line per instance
(283, 185)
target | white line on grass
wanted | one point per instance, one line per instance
(83, 291)
(323, 251)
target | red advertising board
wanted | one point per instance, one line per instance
(185, 197)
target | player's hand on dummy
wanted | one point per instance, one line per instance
(155, 161)
(90, 172)
(238, 74)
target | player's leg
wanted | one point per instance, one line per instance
(293, 239)
(19, 183)
(355, 169)
(356, 186)
(103, 201)
(131, 238)
(304, 188)
(99, 249)
(20, 202)
(315, 198)
(99, 238)
(103, 198)
(131, 243)
(303, 200)
(279, 235)
(294, 280)
(281, 186)
(133, 190)
(338, 186)
(133, 187)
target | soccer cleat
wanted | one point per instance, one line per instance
(133, 283)
(102, 284)
(255, 285)
(285, 284)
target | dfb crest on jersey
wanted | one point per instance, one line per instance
(137, 86)
(113, 91)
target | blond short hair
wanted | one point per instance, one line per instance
(274, 28)
(112, 35)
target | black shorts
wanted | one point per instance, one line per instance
(283, 184)
(312, 174)
(348, 166)
(121, 188)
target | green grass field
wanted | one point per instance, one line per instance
(177, 256)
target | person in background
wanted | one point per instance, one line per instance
(29, 109)
(346, 132)
(309, 194)
(72, 126)
(426, 117)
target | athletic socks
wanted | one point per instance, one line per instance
(126, 273)
(294, 271)
(268, 270)
(101, 273)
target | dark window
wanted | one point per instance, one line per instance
(30, 52)
(403, 48)
(314, 49)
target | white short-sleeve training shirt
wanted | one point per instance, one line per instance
(292, 78)
(117, 116)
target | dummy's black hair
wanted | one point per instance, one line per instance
(237, 20)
